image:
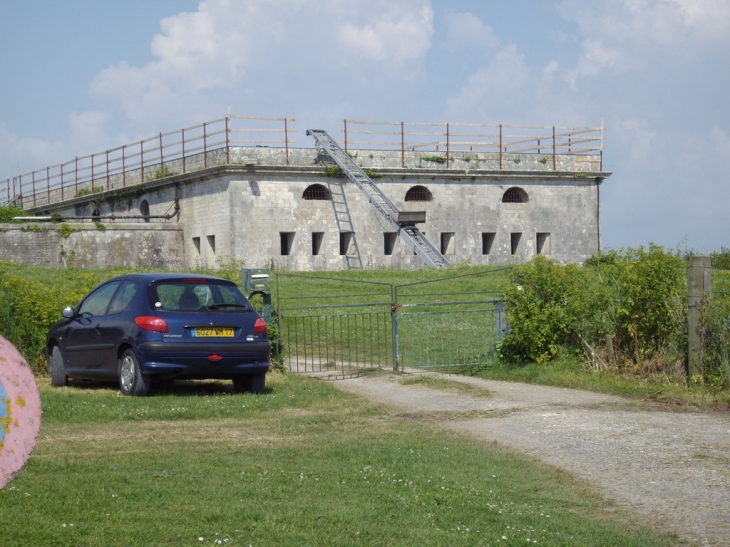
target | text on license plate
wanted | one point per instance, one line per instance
(216, 332)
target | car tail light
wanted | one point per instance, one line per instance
(150, 322)
(214, 358)
(259, 327)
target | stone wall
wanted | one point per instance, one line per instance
(87, 246)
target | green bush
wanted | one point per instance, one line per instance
(715, 335)
(635, 295)
(648, 293)
(8, 212)
(30, 307)
(545, 306)
(721, 260)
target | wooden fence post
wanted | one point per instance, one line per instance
(698, 289)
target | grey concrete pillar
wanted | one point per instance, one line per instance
(699, 285)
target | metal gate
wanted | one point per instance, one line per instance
(360, 325)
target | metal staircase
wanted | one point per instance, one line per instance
(402, 222)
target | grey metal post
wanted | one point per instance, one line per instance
(396, 344)
(698, 289)
(394, 326)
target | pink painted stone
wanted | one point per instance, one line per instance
(20, 412)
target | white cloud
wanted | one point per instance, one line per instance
(632, 34)
(27, 154)
(266, 47)
(397, 36)
(492, 89)
(466, 31)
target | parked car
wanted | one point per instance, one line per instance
(144, 327)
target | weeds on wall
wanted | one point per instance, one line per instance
(433, 159)
(89, 191)
(333, 171)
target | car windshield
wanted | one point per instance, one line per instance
(197, 295)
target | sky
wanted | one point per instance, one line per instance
(82, 76)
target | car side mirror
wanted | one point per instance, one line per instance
(67, 312)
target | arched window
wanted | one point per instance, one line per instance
(144, 210)
(515, 195)
(316, 191)
(96, 215)
(419, 193)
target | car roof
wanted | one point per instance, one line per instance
(152, 277)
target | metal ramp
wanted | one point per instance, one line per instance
(402, 222)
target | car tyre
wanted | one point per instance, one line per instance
(250, 383)
(58, 369)
(131, 380)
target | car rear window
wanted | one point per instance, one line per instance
(192, 295)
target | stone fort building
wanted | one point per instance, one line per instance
(238, 189)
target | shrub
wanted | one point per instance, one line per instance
(546, 304)
(635, 295)
(30, 307)
(715, 335)
(648, 291)
(721, 260)
(8, 212)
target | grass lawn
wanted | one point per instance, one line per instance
(302, 464)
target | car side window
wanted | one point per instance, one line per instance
(98, 301)
(167, 296)
(123, 297)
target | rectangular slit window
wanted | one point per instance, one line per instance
(196, 244)
(317, 238)
(515, 239)
(543, 243)
(347, 240)
(287, 241)
(211, 246)
(389, 239)
(487, 242)
(447, 243)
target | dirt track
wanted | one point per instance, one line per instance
(671, 468)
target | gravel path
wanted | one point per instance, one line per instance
(671, 468)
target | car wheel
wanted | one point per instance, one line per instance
(58, 369)
(250, 383)
(131, 380)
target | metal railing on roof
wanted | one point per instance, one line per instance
(474, 137)
(209, 144)
(146, 159)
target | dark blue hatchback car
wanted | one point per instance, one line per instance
(161, 326)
